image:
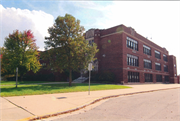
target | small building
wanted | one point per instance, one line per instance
(132, 57)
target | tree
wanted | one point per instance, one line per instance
(2, 66)
(20, 51)
(66, 47)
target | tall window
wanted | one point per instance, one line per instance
(158, 66)
(133, 76)
(158, 78)
(157, 54)
(165, 58)
(132, 60)
(91, 42)
(148, 77)
(166, 78)
(146, 50)
(131, 43)
(147, 64)
(165, 68)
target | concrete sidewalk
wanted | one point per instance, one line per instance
(28, 107)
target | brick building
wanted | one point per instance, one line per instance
(132, 57)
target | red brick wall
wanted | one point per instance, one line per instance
(173, 69)
(111, 47)
(142, 56)
(178, 79)
(116, 52)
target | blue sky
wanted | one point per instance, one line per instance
(84, 11)
(159, 20)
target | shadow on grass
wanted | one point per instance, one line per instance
(41, 87)
(22, 82)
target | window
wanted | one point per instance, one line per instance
(166, 78)
(43, 64)
(148, 77)
(95, 64)
(147, 64)
(158, 66)
(132, 60)
(131, 43)
(157, 54)
(91, 42)
(133, 76)
(165, 58)
(158, 78)
(165, 68)
(146, 50)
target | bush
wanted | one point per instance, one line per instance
(103, 77)
(12, 78)
(39, 77)
(44, 75)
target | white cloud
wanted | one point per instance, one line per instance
(16, 19)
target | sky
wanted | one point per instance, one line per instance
(157, 20)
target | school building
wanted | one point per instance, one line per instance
(132, 57)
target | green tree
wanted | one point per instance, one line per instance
(66, 47)
(1, 65)
(20, 51)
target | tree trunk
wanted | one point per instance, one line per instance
(70, 77)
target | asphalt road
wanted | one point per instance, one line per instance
(152, 106)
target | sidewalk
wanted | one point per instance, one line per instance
(27, 107)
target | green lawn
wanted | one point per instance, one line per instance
(53, 88)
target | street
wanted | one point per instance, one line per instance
(153, 106)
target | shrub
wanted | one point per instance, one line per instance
(12, 78)
(103, 77)
(39, 77)
(44, 75)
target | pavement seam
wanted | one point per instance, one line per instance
(18, 106)
(92, 102)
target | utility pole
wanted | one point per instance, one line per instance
(16, 76)
(89, 68)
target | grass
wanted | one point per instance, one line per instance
(54, 88)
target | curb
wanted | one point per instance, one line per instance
(83, 106)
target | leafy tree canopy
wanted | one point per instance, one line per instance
(66, 47)
(20, 51)
(2, 49)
